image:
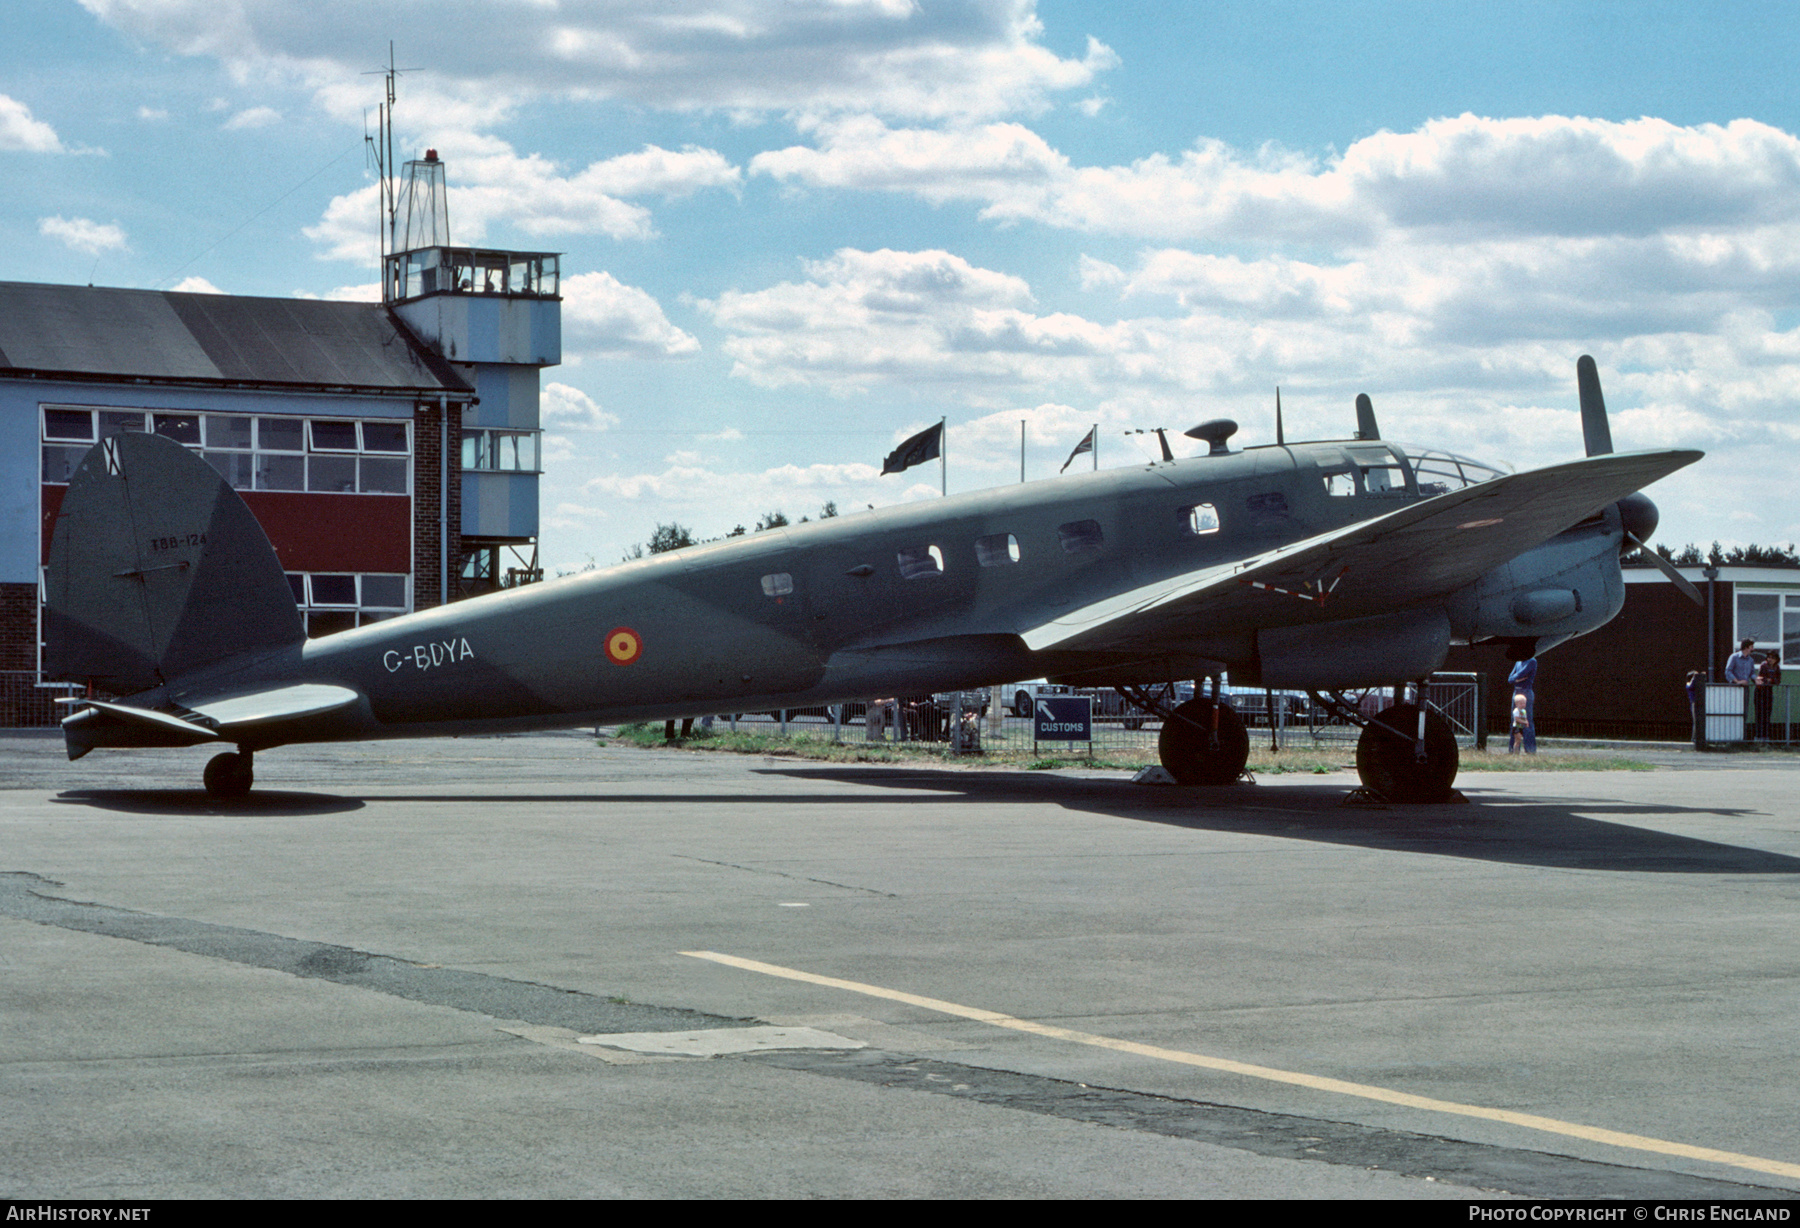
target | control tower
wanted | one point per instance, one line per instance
(497, 317)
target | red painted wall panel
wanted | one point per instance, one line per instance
(313, 532)
(336, 532)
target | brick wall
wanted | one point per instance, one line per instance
(23, 703)
(435, 471)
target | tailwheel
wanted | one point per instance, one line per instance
(1195, 752)
(1395, 762)
(229, 775)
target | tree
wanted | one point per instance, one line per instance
(828, 511)
(771, 520)
(671, 536)
(1751, 555)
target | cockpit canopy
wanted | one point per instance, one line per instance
(1382, 468)
(1439, 473)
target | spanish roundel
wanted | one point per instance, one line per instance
(623, 646)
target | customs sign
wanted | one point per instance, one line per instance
(1064, 718)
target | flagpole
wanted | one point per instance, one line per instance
(1021, 449)
(943, 460)
(1096, 447)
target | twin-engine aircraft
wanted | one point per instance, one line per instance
(1320, 566)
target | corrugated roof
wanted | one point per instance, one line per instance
(74, 331)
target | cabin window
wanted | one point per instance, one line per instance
(1384, 480)
(997, 550)
(780, 584)
(918, 562)
(1339, 483)
(1079, 535)
(1199, 519)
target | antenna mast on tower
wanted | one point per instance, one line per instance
(381, 152)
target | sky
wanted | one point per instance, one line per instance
(796, 231)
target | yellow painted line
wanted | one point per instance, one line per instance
(1365, 1091)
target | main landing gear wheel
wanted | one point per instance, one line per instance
(229, 775)
(1194, 753)
(1022, 704)
(1392, 763)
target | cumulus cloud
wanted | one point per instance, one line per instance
(570, 409)
(253, 117)
(82, 234)
(20, 133)
(1459, 177)
(603, 316)
(489, 182)
(959, 57)
(862, 316)
(713, 500)
(195, 285)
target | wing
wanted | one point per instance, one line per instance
(1426, 549)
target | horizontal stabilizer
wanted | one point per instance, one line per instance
(102, 723)
(243, 712)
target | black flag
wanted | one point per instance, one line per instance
(1086, 445)
(924, 446)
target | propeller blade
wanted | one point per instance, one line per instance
(1365, 417)
(1668, 569)
(1594, 429)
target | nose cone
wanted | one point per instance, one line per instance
(1639, 514)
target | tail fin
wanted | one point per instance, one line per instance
(157, 568)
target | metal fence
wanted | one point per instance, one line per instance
(1298, 723)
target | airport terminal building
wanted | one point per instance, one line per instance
(389, 450)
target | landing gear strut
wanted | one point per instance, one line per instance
(1196, 749)
(229, 775)
(1407, 755)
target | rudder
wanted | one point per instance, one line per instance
(157, 568)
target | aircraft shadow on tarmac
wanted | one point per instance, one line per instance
(1560, 833)
(273, 802)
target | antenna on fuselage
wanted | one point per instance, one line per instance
(1365, 418)
(1280, 439)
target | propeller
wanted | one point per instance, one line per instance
(1594, 429)
(1636, 511)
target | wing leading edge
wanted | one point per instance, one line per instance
(1425, 549)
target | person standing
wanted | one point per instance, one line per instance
(1740, 670)
(1524, 682)
(1768, 675)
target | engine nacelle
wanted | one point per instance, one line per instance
(1566, 587)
